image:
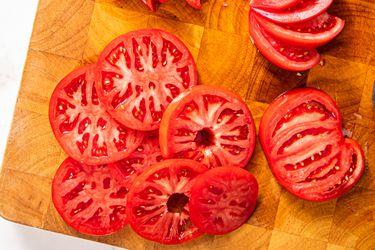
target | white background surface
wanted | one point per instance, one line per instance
(16, 20)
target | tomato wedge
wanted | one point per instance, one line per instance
(273, 5)
(302, 11)
(82, 125)
(151, 4)
(312, 33)
(282, 54)
(300, 133)
(195, 3)
(140, 73)
(89, 198)
(222, 199)
(208, 124)
(158, 202)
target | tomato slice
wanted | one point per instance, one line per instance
(151, 4)
(282, 54)
(300, 133)
(208, 124)
(144, 156)
(302, 11)
(158, 202)
(222, 199)
(312, 33)
(273, 4)
(140, 73)
(88, 198)
(82, 125)
(195, 3)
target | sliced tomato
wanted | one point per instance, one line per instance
(313, 33)
(208, 124)
(140, 73)
(144, 156)
(89, 198)
(151, 4)
(82, 125)
(284, 55)
(273, 5)
(195, 3)
(222, 199)
(158, 202)
(300, 133)
(304, 10)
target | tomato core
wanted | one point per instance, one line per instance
(177, 202)
(205, 137)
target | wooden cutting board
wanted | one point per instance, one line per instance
(71, 33)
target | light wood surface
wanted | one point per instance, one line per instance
(71, 33)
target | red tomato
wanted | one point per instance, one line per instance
(88, 198)
(312, 33)
(195, 3)
(300, 133)
(151, 4)
(158, 202)
(303, 11)
(140, 73)
(208, 124)
(282, 54)
(274, 5)
(82, 125)
(222, 199)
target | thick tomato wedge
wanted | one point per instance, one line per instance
(82, 125)
(208, 124)
(89, 198)
(273, 5)
(284, 55)
(151, 4)
(157, 205)
(304, 10)
(222, 199)
(312, 33)
(140, 73)
(145, 155)
(300, 133)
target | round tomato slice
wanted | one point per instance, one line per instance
(210, 125)
(89, 198)
(273, 5)
(312, 33)
(222, 199)
(301, 136)
(82, 125)
(140, 73)
(282, 54)
(144, 156)
(158, 202)
(302, 11)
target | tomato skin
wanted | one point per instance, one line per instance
(92, 109)
(167, 127)
(302, 171)
(273, 5)
(156, 232)
(301, 38)
(151, 4)
(60, 187)
(137, 82)
(314, 8)
(225, 183)
(257, 34)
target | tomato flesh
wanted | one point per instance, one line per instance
(273, 4)
(210, 125)
(140, 73)
(195, 3)
(158, 202)
(282, 54)
(82, 125)
(312, 33)
(151, 4)
(222, 199)
(89, 198)
(302, 11)
(300, 133)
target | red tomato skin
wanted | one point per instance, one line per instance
(298, 38)
(279, 5)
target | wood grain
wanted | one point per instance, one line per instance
(70, 33)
